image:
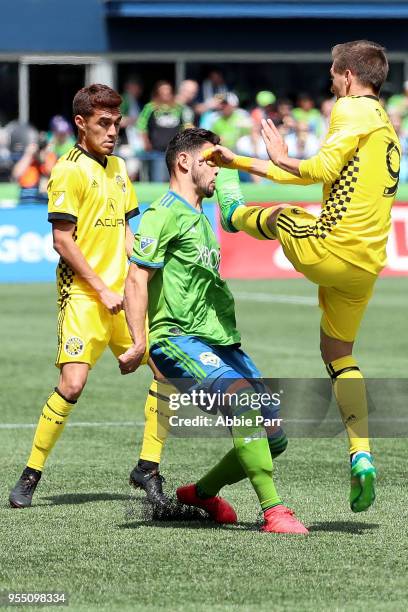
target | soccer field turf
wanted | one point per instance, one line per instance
(87, 533)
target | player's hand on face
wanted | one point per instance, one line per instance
(131, 360)
(274, 142)
(111, 300)
(217, 156)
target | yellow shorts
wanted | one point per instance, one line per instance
(344, 289)
(86, 328)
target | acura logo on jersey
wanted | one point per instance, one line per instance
(111, 220)
(210, 258)
(111, 206)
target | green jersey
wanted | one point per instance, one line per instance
(186, 295)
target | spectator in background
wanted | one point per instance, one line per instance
(252, 145)
(187, 97)
(265, 108)
(398, 103)
(213, 85)
(130, 140)
(5, 158)
(158, 122)
(326, 108)
(306, 112)
(233, 122)
(131, 107)
(32, 172)
(209, 112)
(61, 138)
(285, 118)
(213, 90)
(19, 136)
(302, 143)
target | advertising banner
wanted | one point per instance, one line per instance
(244, 257)
(26, 251)
(27, 254)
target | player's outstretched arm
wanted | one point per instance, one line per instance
(66, 247)
(224, 158)
(135, 302)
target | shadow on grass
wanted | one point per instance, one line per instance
(182, 524)
(356, 528)
(83, 498)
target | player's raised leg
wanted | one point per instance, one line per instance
(50, 426)
(257, 221)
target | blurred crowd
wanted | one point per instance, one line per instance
(27, 156)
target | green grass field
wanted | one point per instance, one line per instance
(88, 534)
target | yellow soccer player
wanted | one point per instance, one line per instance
(91, 200)
(343, 249)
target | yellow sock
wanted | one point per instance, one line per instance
(156, 421)
(349, 389)
(253, 221)
(50, 425)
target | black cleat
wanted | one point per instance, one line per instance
(22, 494)
(151, 482)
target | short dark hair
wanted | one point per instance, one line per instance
(88, 99)
(366, 59)
(188, 140)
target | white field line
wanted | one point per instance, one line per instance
(141, 424)
(274, 298)
(303, 300)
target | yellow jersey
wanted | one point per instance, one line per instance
(99, 198)
(358, 165)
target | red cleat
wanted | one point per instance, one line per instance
(219, 510)
(281, 519)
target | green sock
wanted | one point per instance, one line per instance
(229, 470)
(256, 459)
(253, 455)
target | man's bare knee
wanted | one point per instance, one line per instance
(333, 348)
(72, 381)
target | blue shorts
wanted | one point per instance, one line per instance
(190, 363)
(187, 357)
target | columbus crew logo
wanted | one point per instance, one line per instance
(121, 182)
(74, 346)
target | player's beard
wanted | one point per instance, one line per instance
(206, 188)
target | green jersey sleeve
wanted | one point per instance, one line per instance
(158, 226)
(144, 117)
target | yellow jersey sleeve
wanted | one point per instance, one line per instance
(277, 175)
(347, 125)
(65, 192)
(131, 204)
